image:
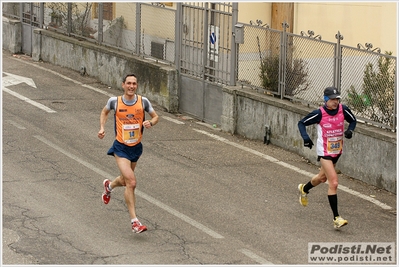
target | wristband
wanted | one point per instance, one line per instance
(150, 123)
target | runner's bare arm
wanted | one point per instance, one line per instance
(103, 120)
(153, 121)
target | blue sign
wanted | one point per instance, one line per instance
(212, 38)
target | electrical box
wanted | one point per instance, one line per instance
(239, 33)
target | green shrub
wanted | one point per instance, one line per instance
(377, 99)
(296, 75)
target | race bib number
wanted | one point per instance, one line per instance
(131, 133)
(334, 145)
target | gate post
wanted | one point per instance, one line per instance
(21, 11)
(138, 28)
(205, 54)
(234, 47)
(205, 58)
(41, 15)
(69, 18)
(178, 35)
(100, 22)
(338, 62)
(283, 61)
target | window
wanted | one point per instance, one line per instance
(108, 13)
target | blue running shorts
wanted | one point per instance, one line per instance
(131, 153)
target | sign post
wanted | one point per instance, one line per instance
(213, 47)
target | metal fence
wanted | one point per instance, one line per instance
(140, 28)
(205, 50)
(299, 67)
(285, 65)
(259, 59)
(369, 85)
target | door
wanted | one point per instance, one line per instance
(205, 58)
(31, 19)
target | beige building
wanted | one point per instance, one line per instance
(358, 22)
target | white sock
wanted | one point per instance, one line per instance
(109, 187)
(135, 219)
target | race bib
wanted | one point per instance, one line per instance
(334, 145)
(131, 133)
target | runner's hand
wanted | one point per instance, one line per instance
(308, 143)
(101, 134)
(348, 134)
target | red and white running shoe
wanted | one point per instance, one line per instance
(107, 193)
(137, 227)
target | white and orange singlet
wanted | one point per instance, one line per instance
(129, 122)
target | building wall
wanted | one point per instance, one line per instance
(12, 35)
(248, 11)
(358, 22)
(128, 12)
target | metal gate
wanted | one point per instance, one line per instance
(31, 17)
(207, 57)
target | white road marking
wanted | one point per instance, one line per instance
(288, 166)
(12, 79)
(138, 192)
(67, 78)
(32, 102)
(255, 257)
(16, 124)
(179, 215)
(172, 120)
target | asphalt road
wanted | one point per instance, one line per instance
(207, 197)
